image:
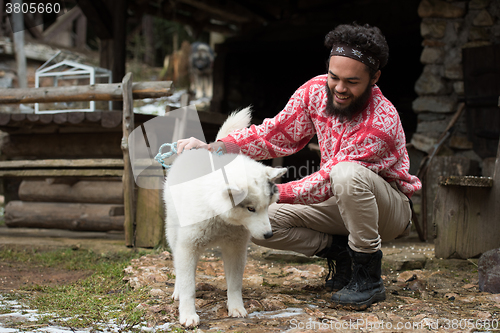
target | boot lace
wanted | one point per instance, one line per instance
(331, 269)
(360, 278)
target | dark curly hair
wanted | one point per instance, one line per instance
(366, 37)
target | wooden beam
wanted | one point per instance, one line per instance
(84, 191)
(98, 16)
(60, 163)
(73, 216)
(230, 15)
(128, 177)
(95, 92)
(50, 173)
(62, 22)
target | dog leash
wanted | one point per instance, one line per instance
(160, 157)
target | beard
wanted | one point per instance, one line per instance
(347, 112)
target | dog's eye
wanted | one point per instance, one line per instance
(251, 209)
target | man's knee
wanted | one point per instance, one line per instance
(347, 178)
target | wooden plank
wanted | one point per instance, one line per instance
(479, 229)
(108, 192)
(63, 145)
(63, 163)
(128, 177)
(72, 216)
(442, 166)
(448, 211)
(62, 173)
(150, 215)
(95, 92)
(469, 181)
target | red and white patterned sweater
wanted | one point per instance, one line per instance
(374, 139)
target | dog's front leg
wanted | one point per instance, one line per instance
(234, 256)
(185, 261)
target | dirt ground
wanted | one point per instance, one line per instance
(17, 275)
(283, 292)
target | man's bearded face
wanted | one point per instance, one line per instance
(348, 87)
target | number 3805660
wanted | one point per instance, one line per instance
(32, 8)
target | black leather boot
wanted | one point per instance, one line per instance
(366, 286)
(339, 273)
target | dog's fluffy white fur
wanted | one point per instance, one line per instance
(230, 230)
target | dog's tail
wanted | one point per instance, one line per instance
(236, 120)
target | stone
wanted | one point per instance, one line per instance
(157, 292)
(423, 142)
(453, 71)
(479, 4)
(458, 87)
(432, 55)
(430, 84)
(431, 116)
(439, 8)
(440, 104)
(433, 43)
(460, 142)
(479, 33)
(483, 19)
(433, 29)
(432, 126)
(470, 154)
(489, 271)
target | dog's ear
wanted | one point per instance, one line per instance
(274, 173)
(237, 193)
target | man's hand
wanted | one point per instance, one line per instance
(191, 143)
(194, 143)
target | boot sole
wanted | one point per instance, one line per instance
(377, 297)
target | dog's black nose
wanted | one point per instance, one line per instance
(268, 235)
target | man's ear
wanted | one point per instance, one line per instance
(375, 77)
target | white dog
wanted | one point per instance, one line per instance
(222, 208)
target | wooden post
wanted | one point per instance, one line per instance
(18, 29)
(128, 177)
(466, 213)
(150, 215)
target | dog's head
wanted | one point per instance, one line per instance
(252, 198)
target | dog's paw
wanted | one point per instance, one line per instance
(237, 312)
(189, 320)
(175, 295)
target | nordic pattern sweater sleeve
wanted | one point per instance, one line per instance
(374, 139)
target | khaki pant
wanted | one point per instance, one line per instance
(365, 207)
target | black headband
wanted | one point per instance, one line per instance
(365, 57)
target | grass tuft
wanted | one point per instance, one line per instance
(99, 301)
